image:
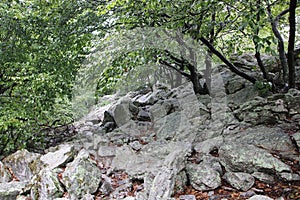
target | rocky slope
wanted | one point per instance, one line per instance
(170, 144)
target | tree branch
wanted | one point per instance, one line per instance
(227, 62)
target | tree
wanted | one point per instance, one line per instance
(219, 25)
(42, 46)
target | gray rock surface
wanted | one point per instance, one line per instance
(22, 164)
(239, 180)
(249, 158)
(60, 157)
(11, 190)
(46, 185)
(5, 175)
(82, 176)
(203, 176)
(260, 197)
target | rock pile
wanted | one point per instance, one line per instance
(150, 146)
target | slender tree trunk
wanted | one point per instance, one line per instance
(291, 45)
(227, 62)
(282, 56)
(257, 53)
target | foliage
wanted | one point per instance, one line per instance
(43, 44)
(229, 26)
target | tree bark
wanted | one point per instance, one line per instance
(227, 62)
(257, 53)
(291, 45)
(282, 57)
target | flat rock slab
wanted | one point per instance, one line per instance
(55, 159)
(249, 158)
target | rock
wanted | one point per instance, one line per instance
(106, 188)
(147, 99)
(187, 197)
(64, 154)
(260, 197)
(148, 160)
(242, 96)
(264, 177)
(290, 176)
(82, 176)
(46, 185)
(209, 145)
(23, 164)
(136, 145)
(181, 181)
(88, 197)
(121, 114)
(296, 137)
(143, 115)
(239, 180)
(272, 139)
(5, 175)
(249, 158)
(107, 151)
(203, 176)
(167, 127)
(11, 190)
(234, 85)
(163, 184)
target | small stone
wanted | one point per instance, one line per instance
(136, 145)
(187, 197)
(290, 176)
(260, 197)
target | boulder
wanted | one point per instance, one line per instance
(60, 157)
(239, 180)
(238, 157)
(82, 176)
(203, 176)
(121, 113)
(46, 185)
(270, 138)
(23, 164)
(163, 184)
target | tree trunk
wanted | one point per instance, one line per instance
(257, 53)
(282, 57)
(291, 45)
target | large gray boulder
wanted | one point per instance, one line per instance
(82, 176)
(249, 158)
(270, 138)
(23, 163)
(46, 185)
